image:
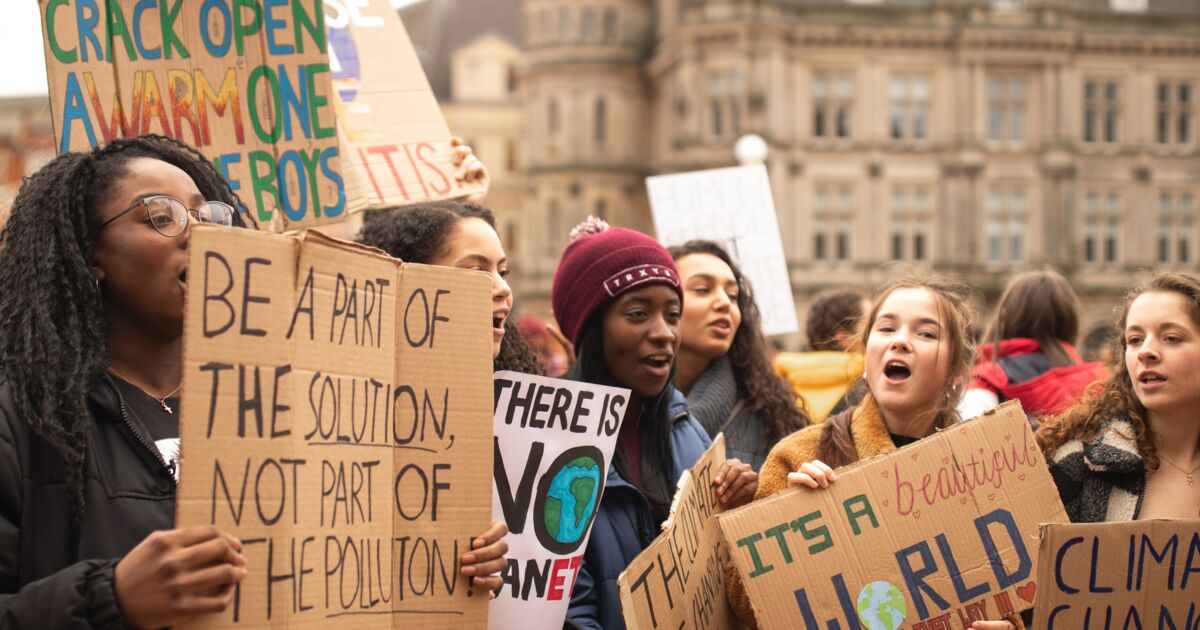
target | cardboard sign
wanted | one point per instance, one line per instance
(679, 580)
(938, 534)
(246, 82)
(397, 143)
(553, 447)
(1139, 574)
(336, 417)
(734, 207)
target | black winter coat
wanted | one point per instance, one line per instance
(50, 578)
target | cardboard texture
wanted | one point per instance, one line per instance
(734, 207)
(553, 445)
(247, 83)
(336, 417)
(393, 159)
(1139, 574)
(679, 580)
(936, 535)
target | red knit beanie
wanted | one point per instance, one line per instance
(601, 263)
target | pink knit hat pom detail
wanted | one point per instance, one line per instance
(591, 225)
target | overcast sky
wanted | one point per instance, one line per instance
(24, 63)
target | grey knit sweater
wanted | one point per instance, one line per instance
(712, 398)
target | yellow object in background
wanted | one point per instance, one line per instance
(820, 378)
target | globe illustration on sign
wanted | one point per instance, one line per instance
(881, 606)
(571, 500)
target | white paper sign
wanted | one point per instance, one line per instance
(734, 207)
(554, 440)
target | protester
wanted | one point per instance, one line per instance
(1106, 454)
(917, 356)
(462, 235)
(1029, 354)
(722, 367)
(617, 298)
(823, 375)
(544, 344)
(93, 273)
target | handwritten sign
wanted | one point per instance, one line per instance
(553, 445)
(245, 81)
(336, 418)
(397, 143)
(679, 580)
(933, 536)
(734, 207)
(1140, 574)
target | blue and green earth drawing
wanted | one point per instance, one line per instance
(881, 606)
(571, 500)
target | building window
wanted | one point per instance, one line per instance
(511, 230)
(564, 24)
(601, 210)
(601, 122)
(1006, 227)
(724, 92)
(610, 25)
(1176, 228)
(1102, 227)
(833, 101)
(911, 223)
(510, 156)
(1175, 109)
(545, 26)
(1101, 111)
(591, 30)
(554, 227)
(552, 117)
(1006, 110)
(910, 108)
(834, 215)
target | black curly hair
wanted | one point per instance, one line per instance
(51, 312)
(418, 234)
(765, 392)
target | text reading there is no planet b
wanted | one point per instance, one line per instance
(734, 207)
(245, 81)
(337, 418)
(553, 446)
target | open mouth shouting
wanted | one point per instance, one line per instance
(499, 317)
(722, 327)
(896, 371)
(658, 363)
(1151, 380)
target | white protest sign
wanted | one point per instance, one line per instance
(734, 207)
(554, 440)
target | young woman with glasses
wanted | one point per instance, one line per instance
(93, 277)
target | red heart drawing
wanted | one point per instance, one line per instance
(992, 496)
(945, 460)
(981, 451)
(963, 500)
(1007, 437)
(914, 456)
(1021, 476)
(884, 474)
(917, 514)
(885, 503)
(1026, 592)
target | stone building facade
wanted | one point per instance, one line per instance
(978, 137)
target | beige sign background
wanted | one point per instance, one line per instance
(336, 417)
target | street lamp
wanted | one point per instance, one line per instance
(750, 149)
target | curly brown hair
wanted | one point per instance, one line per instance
(833, 319)
(835, 446)
(765, 392)
(1114, 397)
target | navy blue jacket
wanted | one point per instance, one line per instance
(624, 527)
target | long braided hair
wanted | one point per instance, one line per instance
(51, 310)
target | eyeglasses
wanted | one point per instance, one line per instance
(170, 216)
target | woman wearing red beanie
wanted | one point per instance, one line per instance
(617, 297)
